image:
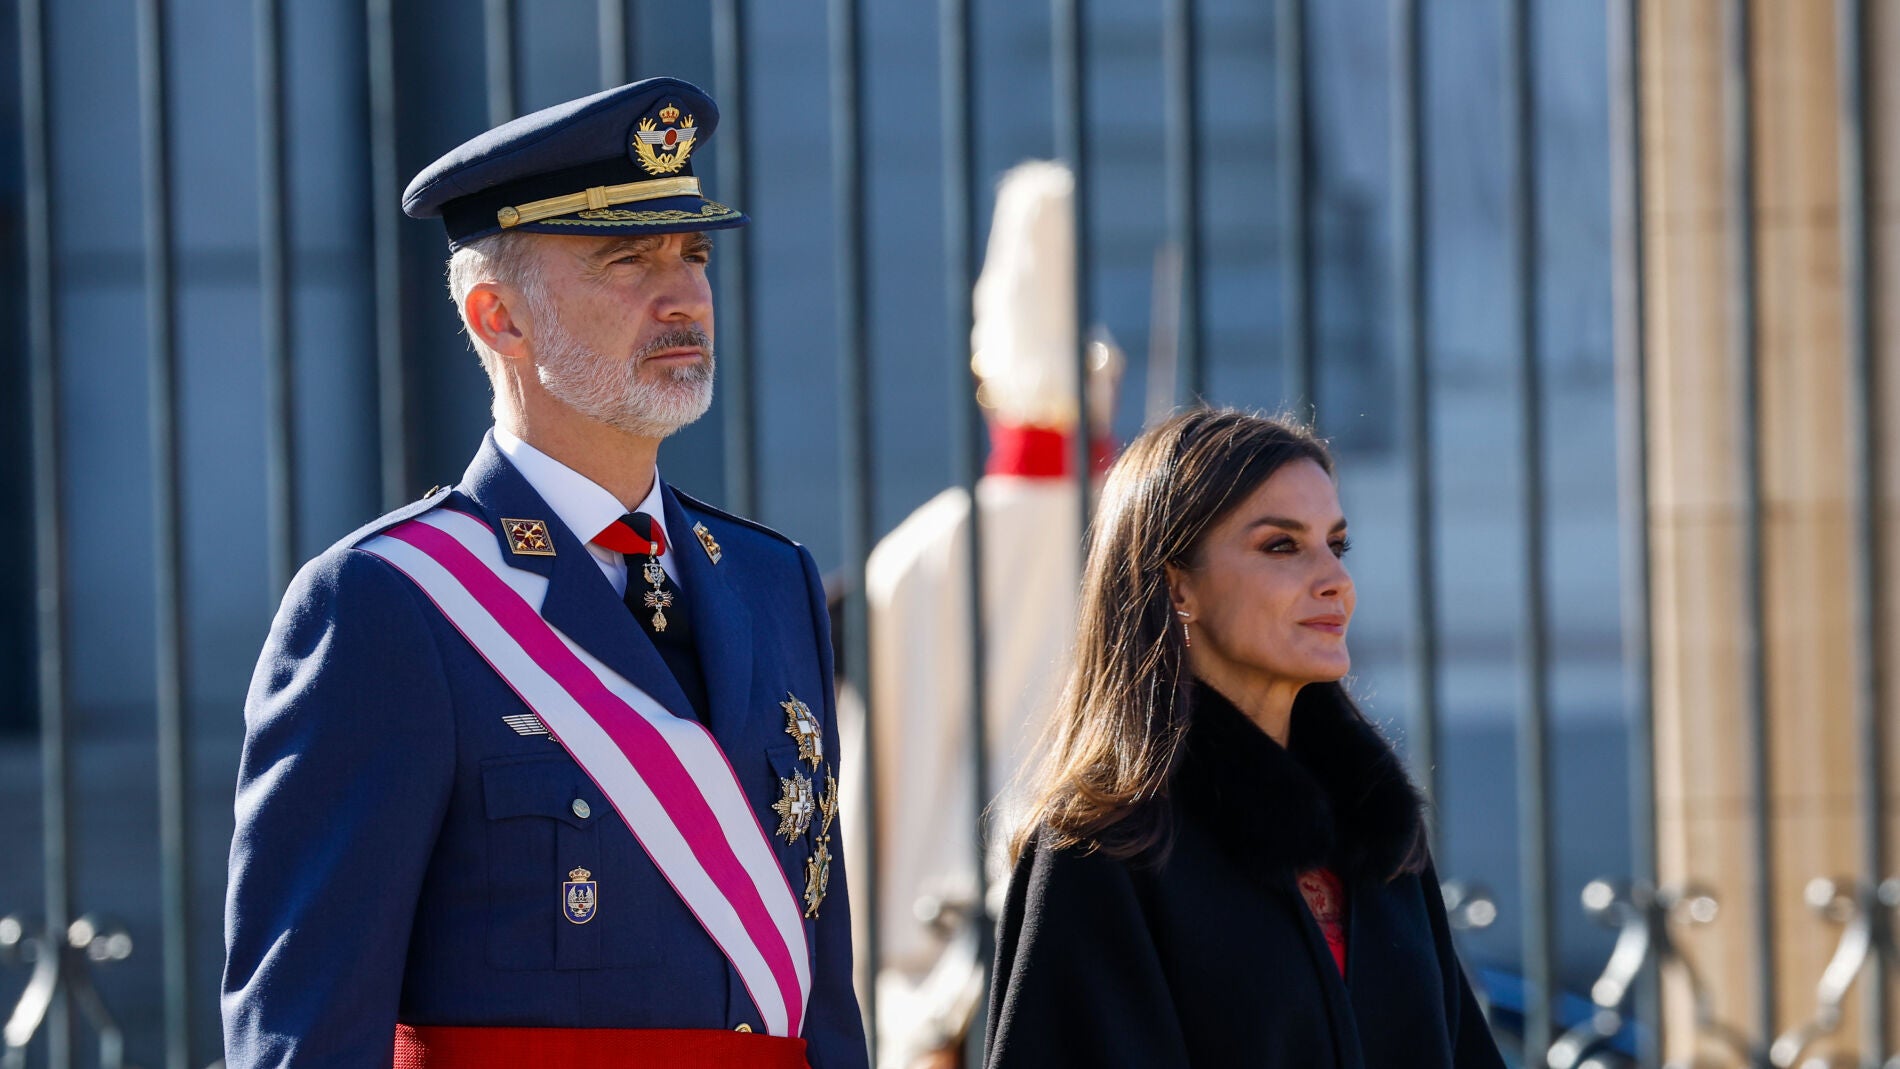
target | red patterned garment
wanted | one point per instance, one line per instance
(1326, 898)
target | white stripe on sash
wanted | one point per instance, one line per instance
(664, 774)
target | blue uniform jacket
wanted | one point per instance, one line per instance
(400, 850)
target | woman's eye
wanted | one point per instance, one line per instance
(1282, 545)
(1342, 546)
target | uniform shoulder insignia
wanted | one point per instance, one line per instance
(696, 505)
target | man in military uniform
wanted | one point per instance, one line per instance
(539, 769)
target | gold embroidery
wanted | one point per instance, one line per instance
(596, 197)
(622, 215)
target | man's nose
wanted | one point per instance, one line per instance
(684, 296)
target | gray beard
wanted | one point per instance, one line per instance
(612, 391)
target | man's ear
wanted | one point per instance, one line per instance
(493, 316)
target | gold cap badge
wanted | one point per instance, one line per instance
(664, 151)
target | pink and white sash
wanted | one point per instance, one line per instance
(664, 774)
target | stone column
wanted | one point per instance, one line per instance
(1703, 642)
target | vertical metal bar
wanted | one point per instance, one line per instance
(498, 37)
(854, 404)
(1182, 62)
(1632, 411)
(273, 254)
(1296, 225)
(1533, 743)
(167, 522)
(956, 64)
(392, 390)
(612, 22)
(49, 564)
(1865, 413)
(737, 376)
(1413, 342)
(1068, 42)
(1738, 115)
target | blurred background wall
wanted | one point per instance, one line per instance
(352, 319)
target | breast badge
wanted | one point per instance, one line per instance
(529, 538)
(828, 805)
(803, 727)
(580, 896)
(800, 802)
(817, 877)
(794, 807)
(525, 724)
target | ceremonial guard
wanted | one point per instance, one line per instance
(541, 769)
(1024, 351)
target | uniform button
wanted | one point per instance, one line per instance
(582, 809)
(743, 1028)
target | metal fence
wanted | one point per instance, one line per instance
(398, 276)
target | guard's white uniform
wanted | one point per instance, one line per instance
(1025, 346)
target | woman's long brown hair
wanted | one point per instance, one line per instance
(1118, 730)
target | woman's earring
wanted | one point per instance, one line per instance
(1187, 639)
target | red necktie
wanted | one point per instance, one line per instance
(634, 534)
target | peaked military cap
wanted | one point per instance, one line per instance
(617, 162)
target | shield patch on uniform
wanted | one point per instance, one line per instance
(580, 897)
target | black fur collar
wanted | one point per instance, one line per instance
(1336, 796)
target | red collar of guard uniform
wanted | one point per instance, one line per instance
(1042, 452)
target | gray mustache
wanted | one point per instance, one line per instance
(674, 339)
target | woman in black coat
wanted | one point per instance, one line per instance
(1222, 863)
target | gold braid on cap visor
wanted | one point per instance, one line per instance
(595, 198)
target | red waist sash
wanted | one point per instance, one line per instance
(433, 1047)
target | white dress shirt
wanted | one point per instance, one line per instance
(585, 506)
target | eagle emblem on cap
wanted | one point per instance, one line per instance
(662, 147)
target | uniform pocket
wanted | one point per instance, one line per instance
(555, 899)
